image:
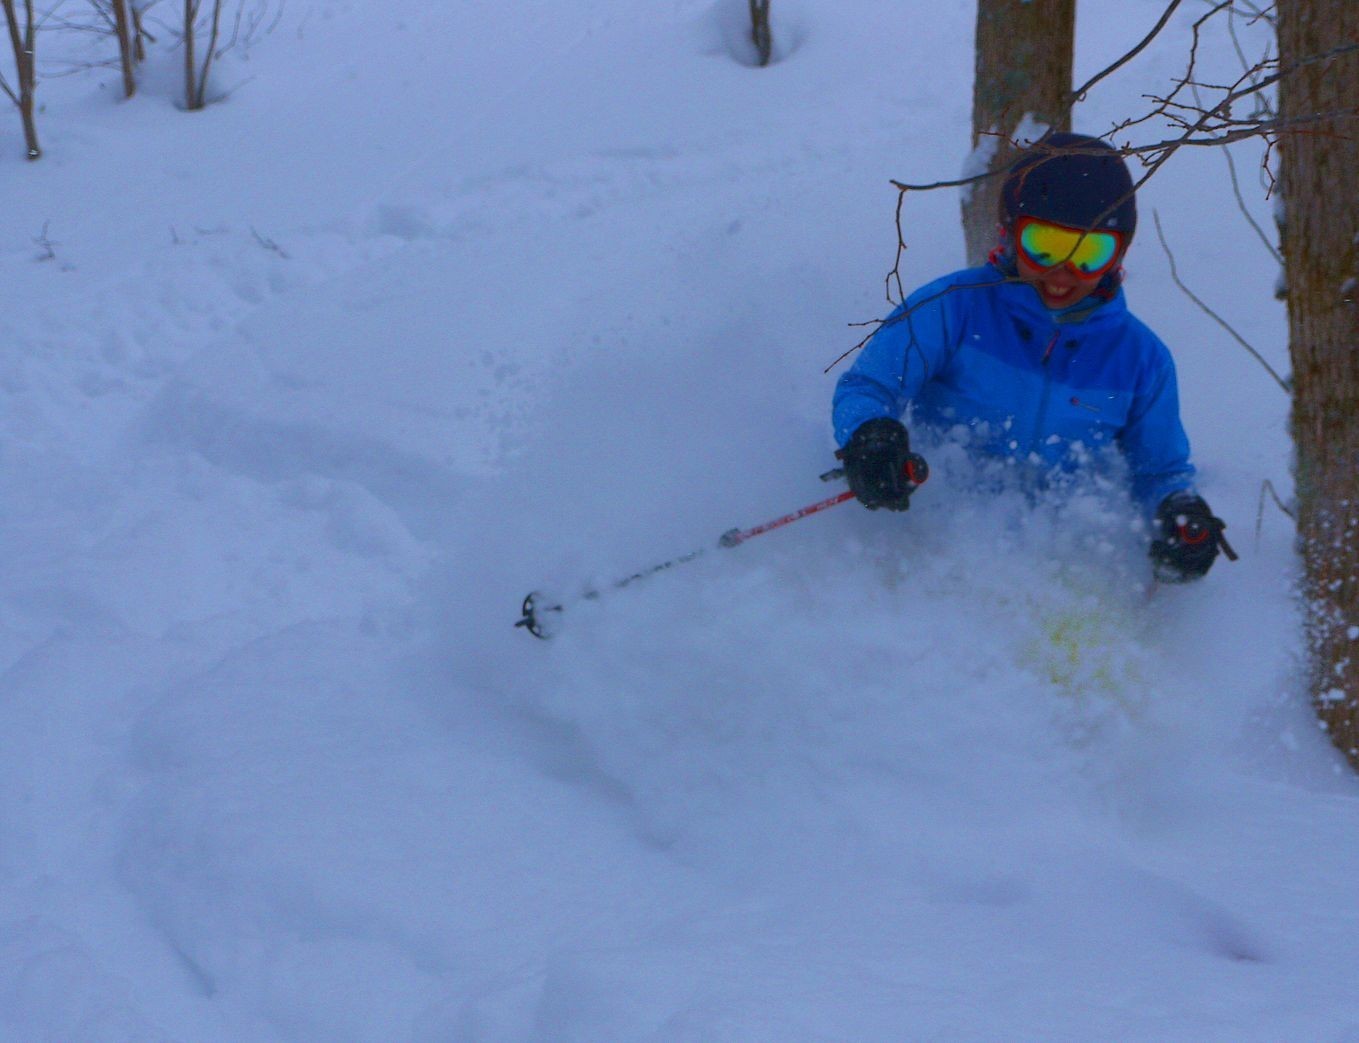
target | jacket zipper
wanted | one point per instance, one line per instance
(1047, 392)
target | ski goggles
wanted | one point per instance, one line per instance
(1048, 245)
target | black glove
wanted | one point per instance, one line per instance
(880, 467)
(1187, 538)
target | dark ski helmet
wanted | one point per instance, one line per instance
(1074, 180)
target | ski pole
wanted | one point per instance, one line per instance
(533, 609)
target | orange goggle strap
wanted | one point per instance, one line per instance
(1046, 244)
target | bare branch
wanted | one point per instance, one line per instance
(895, 273)
(1245, 210)
(905, 314)
(211, 52)
(246, 28)
(1268, 487)
(269, 244)
(1175, 275)
(45, 245)
(1244, 129)
(1080, 92)
(1262, 106)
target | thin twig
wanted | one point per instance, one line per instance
(895, 273)
(901, 316)
(1175, 276)
(1080, 93)
(1262, 107)
(1244, 129)
(269, 244)
(1236, 182)
(214, 27)
(1245, 210)
(48, 247)
(1268, 487)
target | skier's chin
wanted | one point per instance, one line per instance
(1059, 299)
(1056, 288)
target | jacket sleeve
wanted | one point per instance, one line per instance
(909, 347)
(1154, 442)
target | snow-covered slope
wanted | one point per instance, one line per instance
(445, 305)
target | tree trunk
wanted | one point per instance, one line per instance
(23, 40)
(1320, 183)
(28, 83)
(196, 77)
(1025, 52)
(138, 33)
(191, 94)
(759, 30)
(122, 24)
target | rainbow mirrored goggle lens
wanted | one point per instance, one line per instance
(1046, 245)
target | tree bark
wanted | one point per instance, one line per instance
(1025, 51)
(1320, 233)
(122, 24)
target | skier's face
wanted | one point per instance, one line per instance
(1062, 263)
(1058, 287)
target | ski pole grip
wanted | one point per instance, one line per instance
(917, 471)
(915, 468)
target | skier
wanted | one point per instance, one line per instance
(1035, 357)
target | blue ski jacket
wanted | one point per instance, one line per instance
(976, 351)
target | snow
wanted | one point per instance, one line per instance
(978, 161)
(443, 306)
